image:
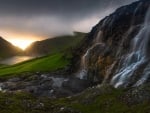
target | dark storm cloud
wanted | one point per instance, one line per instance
(50, 17)
(61, 7)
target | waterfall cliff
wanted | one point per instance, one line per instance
(116, 51)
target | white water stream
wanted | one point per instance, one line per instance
(137, 56)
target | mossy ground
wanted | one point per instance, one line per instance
(95, 100)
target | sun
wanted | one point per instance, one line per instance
(21, 43)
(21, 40)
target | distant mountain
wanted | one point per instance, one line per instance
(56, 44)
(7, 49)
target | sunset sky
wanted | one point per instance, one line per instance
(24, 21)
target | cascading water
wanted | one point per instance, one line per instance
(137, 56)
(83, 71)
(82, 74)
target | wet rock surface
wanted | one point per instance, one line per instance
(49, 85)
(117, 48)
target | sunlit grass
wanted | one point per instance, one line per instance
(47, 63)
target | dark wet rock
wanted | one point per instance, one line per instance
(9, 86)
(41, 84)
(16, 79)
(46, 84)
(61, 92)
(76, 84)
(67, 110)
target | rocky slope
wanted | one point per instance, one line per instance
(116, 51)
(7, 49)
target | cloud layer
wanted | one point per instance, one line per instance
(47, 18)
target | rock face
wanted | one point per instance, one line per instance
(116, 51)
(7, 49)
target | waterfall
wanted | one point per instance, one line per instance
(83, 66)
(82, 73)
(137, 56)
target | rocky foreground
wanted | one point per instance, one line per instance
(45, 84)
(100, 99)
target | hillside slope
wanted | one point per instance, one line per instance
(7, 49)
(53, 45)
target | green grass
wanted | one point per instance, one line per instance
(47, 63)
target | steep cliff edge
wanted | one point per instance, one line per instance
(116, 51)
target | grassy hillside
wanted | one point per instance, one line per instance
(47, 63)
(53, 45)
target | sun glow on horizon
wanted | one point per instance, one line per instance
(21, 40)
(21, 43)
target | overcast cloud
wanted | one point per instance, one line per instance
(47, 18)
